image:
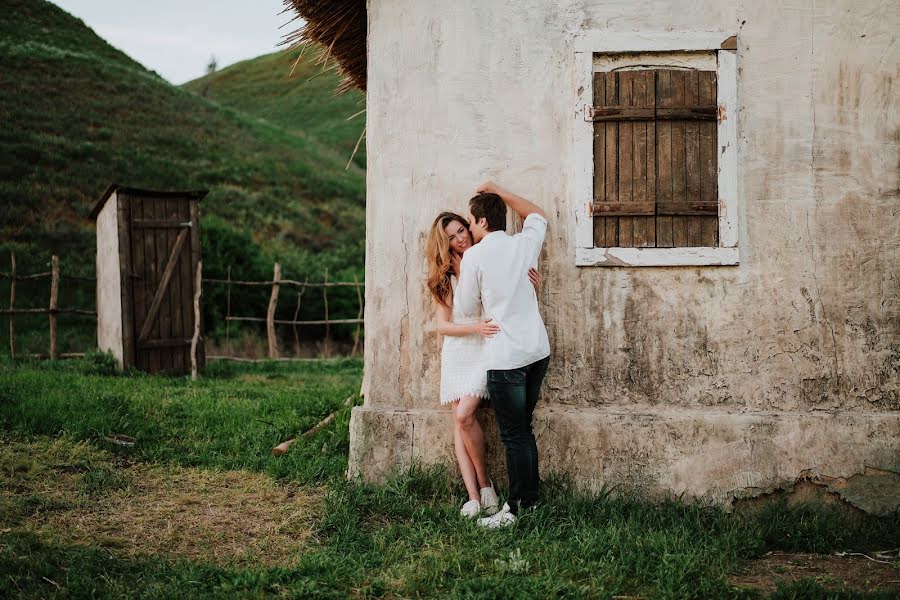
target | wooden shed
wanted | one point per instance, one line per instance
(148, 251)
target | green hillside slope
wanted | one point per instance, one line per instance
(77, 115)
(304, 103)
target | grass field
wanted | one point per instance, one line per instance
(199, 508)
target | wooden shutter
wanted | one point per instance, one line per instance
(624, 159)
(655, 171)
(687, 179)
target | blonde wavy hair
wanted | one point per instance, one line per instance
(437, 252)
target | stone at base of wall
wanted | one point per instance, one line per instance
(715, 457)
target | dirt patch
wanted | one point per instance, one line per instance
(830, 572)
(87, 497)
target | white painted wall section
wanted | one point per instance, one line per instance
(109, 281)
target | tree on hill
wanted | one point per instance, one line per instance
(210, 69)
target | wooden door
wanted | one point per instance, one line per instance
(164, 252)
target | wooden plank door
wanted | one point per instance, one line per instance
(162, 242)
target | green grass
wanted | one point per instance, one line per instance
(808, 589)
(305, 103)
(402, 539)
(229, 419)
(78, 115)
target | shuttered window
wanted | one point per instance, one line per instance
(655, 152)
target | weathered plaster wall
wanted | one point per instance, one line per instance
(810, 319)
(109, 281)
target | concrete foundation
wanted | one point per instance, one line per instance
(714, 457)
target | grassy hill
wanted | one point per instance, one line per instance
(305, 103)
(78, 114)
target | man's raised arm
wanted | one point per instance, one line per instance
(522, 206)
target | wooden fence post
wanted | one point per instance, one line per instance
(296, 314)
(228, 314)
(359, 298)
(12, 300)
(270, 317)
(327, 323)
(54, 300)
(195, 339)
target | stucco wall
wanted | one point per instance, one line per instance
(809, 320)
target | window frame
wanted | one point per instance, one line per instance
(610, 44)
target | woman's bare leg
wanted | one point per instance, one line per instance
(466, 467)
(472, 436)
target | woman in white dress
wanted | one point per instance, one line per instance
(463, 371)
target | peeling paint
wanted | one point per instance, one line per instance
(871, 490)
(612, 260)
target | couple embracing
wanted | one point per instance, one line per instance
(484, 284)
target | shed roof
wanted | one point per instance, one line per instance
(115, 187)
(339, 27)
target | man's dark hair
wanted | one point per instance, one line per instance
(492, 208)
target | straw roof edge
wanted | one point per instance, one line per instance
(339, 28)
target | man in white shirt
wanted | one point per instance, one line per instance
(494, 275)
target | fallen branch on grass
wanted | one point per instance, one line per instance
(284, 446)
(348, 401)
(48, 580)
(120, 439)
(880, 555)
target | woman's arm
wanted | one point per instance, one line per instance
(536, 279)
(445, 326)
(520, 205)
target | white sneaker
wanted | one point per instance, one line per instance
(471, 509)
(504, 518)
(489, 501)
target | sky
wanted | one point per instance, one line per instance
(176, 38)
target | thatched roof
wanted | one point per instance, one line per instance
(339, 28)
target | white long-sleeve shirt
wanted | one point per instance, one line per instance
(494, 275)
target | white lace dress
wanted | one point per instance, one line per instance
(463, 370)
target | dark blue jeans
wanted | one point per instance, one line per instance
(514, 394)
